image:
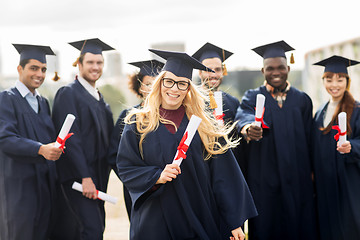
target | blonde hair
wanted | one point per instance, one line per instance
(211, 133)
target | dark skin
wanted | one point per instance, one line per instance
(275, 72)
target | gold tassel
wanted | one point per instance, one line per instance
(76, 62)
(292, 60)
(213, 104)
(56, 77)
(225, 73)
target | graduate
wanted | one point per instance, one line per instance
(278, 167)
(85, 158)
(140, 83)
(27, 152)
(206, 197)
(337, 168)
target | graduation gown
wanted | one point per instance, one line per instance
(86, 151)
(206, 201)
(278, 167)
(27, 180)
(337, 178)
(113, 149)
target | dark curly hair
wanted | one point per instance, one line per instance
(135, 81)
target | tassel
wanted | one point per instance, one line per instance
(56, 77)
(76, 62)
(225, 73)
(292, 60)
(213, 104)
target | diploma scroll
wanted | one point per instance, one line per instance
(342, 126)
(186, 139)
(218, 112)
(100, 195)
(259, 110)
(64, 132)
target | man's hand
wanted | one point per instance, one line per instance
(89, 188)
(50, 152)
(254, 132)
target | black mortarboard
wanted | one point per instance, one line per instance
(336, 64)
(272, 50)
(33, 52)
(94, 46)
(179, 63)
(209, 50)
(149, 68)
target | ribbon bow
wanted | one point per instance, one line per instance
(219, 117)
(182, 148)
(263, 125)
(337, 128)
(62, 141)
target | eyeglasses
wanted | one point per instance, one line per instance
(181, 85)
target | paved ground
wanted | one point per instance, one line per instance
(117, 223)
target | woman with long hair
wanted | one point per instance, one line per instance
(140, 83)
(206, 197)
(337, 167)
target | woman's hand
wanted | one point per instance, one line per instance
(237, 234)
(169, 173)
(345, 148)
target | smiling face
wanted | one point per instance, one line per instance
(173, 97)
(276, 71)
(33, 74)
(209, 79)
(91, 67)
(335, 86)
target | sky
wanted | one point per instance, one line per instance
(132, 26)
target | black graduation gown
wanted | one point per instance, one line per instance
(86, 151)
(113, 149)
(206, 201)
(27, 180)
(278, 167)
(337, 178)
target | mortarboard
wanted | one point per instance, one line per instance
(179, 63)
(209, 50)
(37, 52)
(336, 64)
(272, 50)
(149, 68)
(94, 46)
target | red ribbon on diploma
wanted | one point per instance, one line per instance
(182, 148)
(336, 137)
(219, 117)
(263, 125)
(62, 141)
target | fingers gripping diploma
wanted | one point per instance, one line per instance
(169, 173)
(254, 132)
(50, 151)
(89, 189)
(344, 148)
(237, 234)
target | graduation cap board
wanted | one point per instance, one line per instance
(37, 52)
(209, 50)
(273, 50)
(336, 64)
(179, 63)
(149, 68)
(94, 46)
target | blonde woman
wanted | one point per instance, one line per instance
(206, 197)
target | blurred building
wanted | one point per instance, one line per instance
(312, 80)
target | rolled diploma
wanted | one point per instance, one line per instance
(219, 103)
(191, 130)
(69, 120)
(260, 102)
(342, 126)
(101, 195)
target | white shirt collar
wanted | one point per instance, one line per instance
(92, 90)
(24, 90)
